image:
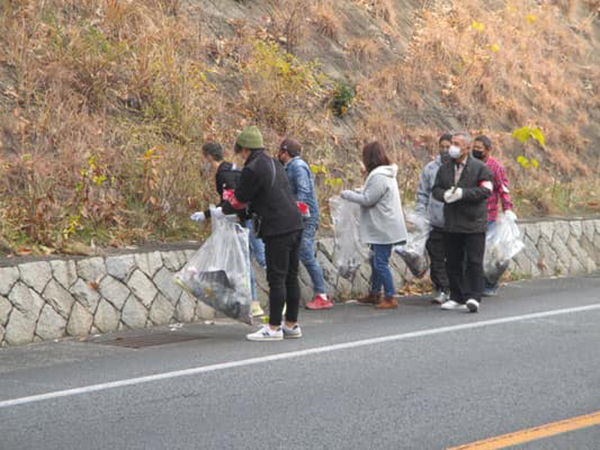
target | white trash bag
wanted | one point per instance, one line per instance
(219, 273)
(502, 244)
(348, 248)
(414, 252)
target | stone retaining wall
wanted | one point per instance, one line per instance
(51, 299)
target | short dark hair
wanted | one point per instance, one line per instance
(214, 150)
(291, 146)
(237, 148)
(445, 137)
(486, 141)
(373, 156)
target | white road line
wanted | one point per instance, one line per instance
(288, 355)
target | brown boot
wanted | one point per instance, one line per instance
(370, 299)
(387, 303)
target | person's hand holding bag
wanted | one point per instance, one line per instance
(453, 195)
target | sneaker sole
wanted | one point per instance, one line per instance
(289, 336)
(319, 309)
(263, 339)
(457, 308)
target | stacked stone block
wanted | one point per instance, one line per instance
(46, 300)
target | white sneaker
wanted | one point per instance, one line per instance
(265, 333)
(439, 297)
(294, 332)
(451, 305)
(473, 305)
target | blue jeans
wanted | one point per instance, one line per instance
(257, 246)
(381, 275)
(307, 256)
(257, 249)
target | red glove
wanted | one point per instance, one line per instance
(304, 209)
(229, 197)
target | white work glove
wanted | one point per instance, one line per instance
(453, 195)
(218, 213)
(198, 217)
(510, 215)
(346, 194)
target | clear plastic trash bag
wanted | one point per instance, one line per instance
(502, 243)
(348, 248)
(219, 273)
(414, 252)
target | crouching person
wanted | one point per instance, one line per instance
(381, 221)
(227, 177)
(265, 189)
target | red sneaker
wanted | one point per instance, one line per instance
(321, 301)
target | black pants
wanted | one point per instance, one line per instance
(282, 253)
(437, 257)
(464, 264)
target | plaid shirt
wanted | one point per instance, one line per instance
(500, 191)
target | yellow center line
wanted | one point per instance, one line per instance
(533, 434)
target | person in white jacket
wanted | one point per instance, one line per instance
(381, 221)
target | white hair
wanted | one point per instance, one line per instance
(468, 138)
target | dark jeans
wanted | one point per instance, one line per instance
(282, 254)
(437, 256)
(464, 264)
(381, 275)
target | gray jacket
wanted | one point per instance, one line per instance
(381, 217)
(426, 204)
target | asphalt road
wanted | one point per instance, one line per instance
(413, 378)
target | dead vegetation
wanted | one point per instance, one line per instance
(103, 103)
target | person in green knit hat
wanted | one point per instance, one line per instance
(265, 189)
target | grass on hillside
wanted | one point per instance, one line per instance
(104, 105)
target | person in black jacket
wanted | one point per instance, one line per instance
(227, 176)
(264, 187)
(464, 185)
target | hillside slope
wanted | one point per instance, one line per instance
(103, 103)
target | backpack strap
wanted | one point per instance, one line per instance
(273, 173)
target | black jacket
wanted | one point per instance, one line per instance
(227, 177)
(264, 185)
(468, 215)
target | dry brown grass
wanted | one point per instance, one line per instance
(326, 22)
(364, 50)
(289, 22)
(380, 9)
(103, 103)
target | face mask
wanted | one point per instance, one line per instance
(477, 154)
(444, 156)
(454, 152)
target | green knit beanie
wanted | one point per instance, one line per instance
(250, 138)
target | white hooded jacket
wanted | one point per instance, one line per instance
(381, 216)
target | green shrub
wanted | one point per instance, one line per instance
(343, 98)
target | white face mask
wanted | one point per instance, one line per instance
(454, 152)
